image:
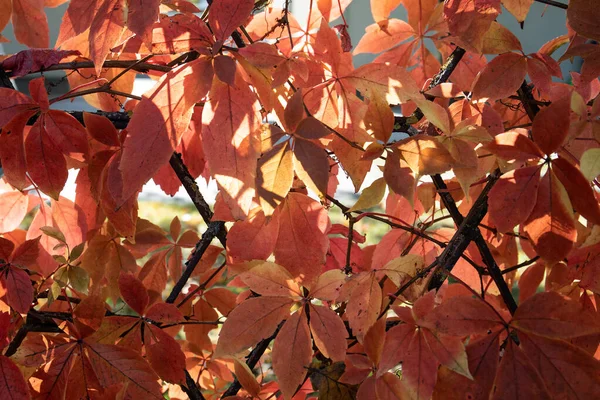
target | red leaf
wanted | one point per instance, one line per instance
(165, 357)
(45, 162)
(165, 313)
(568, 371)
(292, 353)
(100, 128)
(517, 377)
(133, 292)
(12, 384)
(34, 60)
(158, 122)
(77, 19)
(302, 243)
(13, 208)
(141, 16)
(115, 364)
(12, 151)
(30, 23)
(530, 280)
(312, 165)
(89, 314)
(6, 249)
(252, 239)
(225, 69)
(578, 187)
(582, 16)
(552, 315)
(19, 290)
(551, 125)
(501, 77)
(462, 316)
(106, 30)
(470, 20)
(513, 197)
(551, 226)
(514, 145)
(226, 15)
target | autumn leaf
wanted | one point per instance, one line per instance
(168, 104)
(259, 318)
(229, 138)
(425, 156)
(13, 384)
(329, 332)
(292, 352)
(500, 78)
(302, 242)
(226, 15)
(274, 177)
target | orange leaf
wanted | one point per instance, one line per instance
(100, 128)
(12, 151)
(378, 38)
(514, 145)
(114, 364)
(226, 15)
(106, 30)
(292, 353)
(30, 23)
(270, 279)
(253, 320)
(251, 239)
(389, 82)
(381, 9)
(5, 13)
(329, 332)
(425, 155)
(364, 304)
(550, 226)
(13, 384)
(230, 140)
(70, 220)
(275, 176)
(302, 242)
(158, 122)
(172, 34)
(518, 8)
(246, 378)
(134, 292)
(500, 78)
(513, 197)
(500, 39)
(13, 208)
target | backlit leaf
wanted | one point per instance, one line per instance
(501, 77)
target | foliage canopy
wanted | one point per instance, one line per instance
(487, 285)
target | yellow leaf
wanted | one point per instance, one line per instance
(371, 196)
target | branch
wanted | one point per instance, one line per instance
(554, 3)
(251, 360)
(214, 229)
(125, 64)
